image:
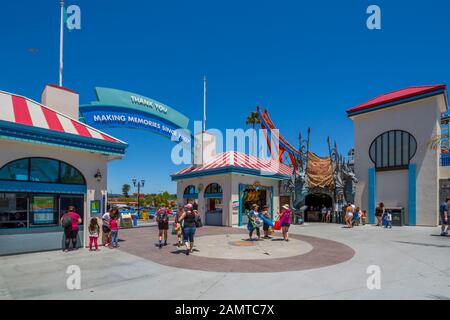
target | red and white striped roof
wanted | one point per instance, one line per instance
(21, 110)
(241, 160)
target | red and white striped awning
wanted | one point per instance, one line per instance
(21, 110)
(234, 159)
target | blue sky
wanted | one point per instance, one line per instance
(307, 62)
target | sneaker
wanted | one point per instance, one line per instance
(179, 244)
(443, 234)
(160, 245)
(66, 250)
(187, 252)
(165, 243)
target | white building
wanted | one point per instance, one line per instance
(226, 185)
(48, 161)
(394, 161)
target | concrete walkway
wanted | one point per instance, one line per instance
(414, 263)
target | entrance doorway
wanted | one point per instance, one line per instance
(214, 204)
(250, 195)
(315, 202)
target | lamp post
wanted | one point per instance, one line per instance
(139, 185)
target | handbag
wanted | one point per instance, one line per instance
(198, 222)
(277, 225)
(174, 231)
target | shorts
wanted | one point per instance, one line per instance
(163, 225)
(70, 234)
(105, 229)
(266, 227)
(443, 223)
(188, 234)
(286, 224)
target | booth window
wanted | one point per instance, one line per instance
(16, 170)
(392, 150)
(213, 188)
(191, 191)
(41, 170)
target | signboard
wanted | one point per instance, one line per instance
(43, 210)
(95, 207)
(117, 108)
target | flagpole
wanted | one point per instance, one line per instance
(61, 42)
(204, 103)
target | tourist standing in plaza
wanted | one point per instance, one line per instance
(70, 222)
(364, 217)
(357, 216)
(443, 212)
(388, 219)
(114, 226)
(285, 221)
(349, 215)
(266, 226)
(188, 218)
(106, 218)
(254, 222)
(94, 232)
(379, 211)
(328, 216)
(178, 225)
(162, 218)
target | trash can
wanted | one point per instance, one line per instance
(135, 219)
(398, 216)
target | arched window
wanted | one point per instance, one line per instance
(392, 150)
(41, 170)
(213, 188)
(190, 192)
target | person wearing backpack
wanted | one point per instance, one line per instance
(70, 221)
(178, 225)
(162, 217)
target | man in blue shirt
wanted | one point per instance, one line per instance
(443, 210)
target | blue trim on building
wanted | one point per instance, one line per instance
(241, 202)
(372, 194)
(412, 194)
(213, 195)
(17, 131)
(394, 103)
(229, 169)
(271, 202)
(40, 187)
(190, 196)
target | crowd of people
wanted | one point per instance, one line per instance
(258, 219)
(187, 220)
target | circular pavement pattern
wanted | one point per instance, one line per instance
(223, 249)
(236, 246)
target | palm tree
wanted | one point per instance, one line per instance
(125, 190)
(253, 119)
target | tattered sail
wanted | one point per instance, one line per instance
(320, 172)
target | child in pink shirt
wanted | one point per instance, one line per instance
(114, 226)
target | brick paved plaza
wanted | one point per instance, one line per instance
(321, 261)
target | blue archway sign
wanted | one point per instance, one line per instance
(117, 108)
